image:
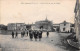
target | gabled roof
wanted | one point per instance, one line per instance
(55, 24)
(64, 22)
(16, 23)
(42, 21)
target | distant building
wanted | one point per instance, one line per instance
(77, 19)
(55, 26)
(2, 27)
(28, 26)
(16, 26)
(11, 26)
(65, 26)
(45, 25)
(33, 27)
(72, 28)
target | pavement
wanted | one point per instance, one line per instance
(51, 43)
(73, 44)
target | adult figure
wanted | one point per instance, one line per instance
(12, 34)
(47, 33)
(27, 32)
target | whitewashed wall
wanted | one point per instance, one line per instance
(67, 27)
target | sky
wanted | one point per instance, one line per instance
(30, 11)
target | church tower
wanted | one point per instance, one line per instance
(46, 19)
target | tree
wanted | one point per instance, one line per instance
(3, 27)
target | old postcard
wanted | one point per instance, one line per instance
(39, 25)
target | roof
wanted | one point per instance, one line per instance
(2, 25)
(64, 22)
(55, 24)
(46, 20)
(15, 23)
(43, 21)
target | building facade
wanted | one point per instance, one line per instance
(65, 27)
(45, 25)
(56, 26)
(77, 19)
(16, 26)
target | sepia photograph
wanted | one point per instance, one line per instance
(39, 25)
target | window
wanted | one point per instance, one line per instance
(63, 29)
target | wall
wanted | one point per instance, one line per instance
(67, 27)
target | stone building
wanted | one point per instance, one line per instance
(16, 26)
(56, 26)
(11, 26)
(65, 26)
(45, 25)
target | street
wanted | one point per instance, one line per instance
(55, 42)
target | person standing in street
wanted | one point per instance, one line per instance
(31, 35)
(12, 34)
(27, 32)
(22, 34)
(47, 33)
(40, 35)
(36, 35)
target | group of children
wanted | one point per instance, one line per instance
(36, 34)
